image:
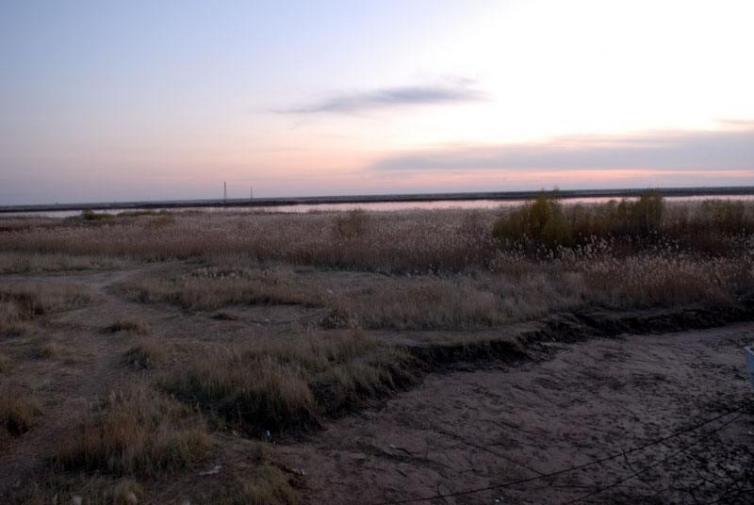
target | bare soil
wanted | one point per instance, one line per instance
(468, 430)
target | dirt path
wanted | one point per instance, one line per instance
(469, 430)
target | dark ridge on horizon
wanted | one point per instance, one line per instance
(382, 198)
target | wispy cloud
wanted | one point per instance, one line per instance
(459, 91)
(729, 148)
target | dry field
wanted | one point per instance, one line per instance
(234, 358)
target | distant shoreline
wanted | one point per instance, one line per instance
(416, 197)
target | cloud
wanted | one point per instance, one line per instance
(729, 148)
(458, 91)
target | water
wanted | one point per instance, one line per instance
(378, 206)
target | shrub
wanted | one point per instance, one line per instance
(541, 222)
(546, 225)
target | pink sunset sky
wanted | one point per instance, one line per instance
(141, 100)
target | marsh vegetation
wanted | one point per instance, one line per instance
(141, 349)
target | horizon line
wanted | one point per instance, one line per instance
(690, 191)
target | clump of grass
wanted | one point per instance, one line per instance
(160, 221)
(18, 411)
(128, 326)
(46, 349)
(24, 302)
(351, 224)
(135, 431)
(289, 385)
(419, 304)
(15, 263)
(256, 393)
(90, 215)
(210, 289)
(127, 492)
(6, 364)
(262, 484)
(454, 303)
(146, 354)
(657, 280)
(60, 488)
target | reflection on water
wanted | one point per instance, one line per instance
(383, 206)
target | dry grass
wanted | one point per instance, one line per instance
(410, 241)
(455, 302)
(290, 384)
(437, 270)
(25, 301)
(46, 349)
(21, 303)
(64, 489)
(212, 288)
(129, 326)
(6, 363)
(147, 354)
(264, 484)
(135, 431)
(350, 225)
(18, 410)
(24, 263)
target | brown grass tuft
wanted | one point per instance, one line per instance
(26, 263)
(6, 364)
(351, 224)
(290, 384)
(264, 484)
(55, 488)
(213, 288)
(17, 411)
(46, 349)
(146, 354)
(24, 302)
(136, 430)
(128, 326)
(127, 492)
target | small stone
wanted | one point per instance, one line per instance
(76, 500)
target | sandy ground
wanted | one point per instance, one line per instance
(464, 431)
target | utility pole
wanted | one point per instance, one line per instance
(225, 192)
(251, 192)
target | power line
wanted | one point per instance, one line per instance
(564, 470)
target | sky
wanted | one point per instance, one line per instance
(141, 100)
